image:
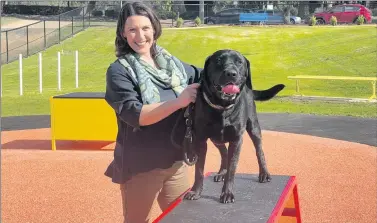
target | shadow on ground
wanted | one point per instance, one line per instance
(60, 145)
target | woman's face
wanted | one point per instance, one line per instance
(138, 31)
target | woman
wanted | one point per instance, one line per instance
(146, 87)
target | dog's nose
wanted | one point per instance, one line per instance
(231, 73)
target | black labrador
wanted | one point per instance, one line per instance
(224, 109)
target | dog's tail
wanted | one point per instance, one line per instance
(264, 95)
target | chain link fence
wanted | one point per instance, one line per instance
(33, 38)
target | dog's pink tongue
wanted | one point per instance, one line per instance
(231, 89)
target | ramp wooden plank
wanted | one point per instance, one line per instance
(254, 202)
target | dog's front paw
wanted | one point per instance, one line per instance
(192, 195)
(227, 197)
(264, 177)
(219, 177)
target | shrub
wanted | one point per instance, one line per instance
(287, 14)
(197, 21)
(286, 20)
(360, 20)
(333, 21)
(294, 11)
(163, 14)
(179, 22)
(97, 13)
(312, 21)
(110, 13)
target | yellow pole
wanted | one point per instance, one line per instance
(374, 90)
(297, 86)
(52, 128)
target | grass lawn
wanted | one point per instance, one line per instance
(275, 53)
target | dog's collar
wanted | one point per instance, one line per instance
(218, 107)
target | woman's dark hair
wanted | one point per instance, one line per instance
(130, 9)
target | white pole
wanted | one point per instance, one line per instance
(20, 64)
(40, 72)
(77, 69)
(1, 77)
(59, 83)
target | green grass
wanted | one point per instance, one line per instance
(275, 53)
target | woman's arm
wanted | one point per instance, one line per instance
(122, 96)
(153, 113)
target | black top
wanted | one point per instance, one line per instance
(254, 202)
(139, 148)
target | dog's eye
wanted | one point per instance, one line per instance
(239, 62)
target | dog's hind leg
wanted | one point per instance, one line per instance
(254, 131)
(197, 188)
(227, 195)
(224, 162)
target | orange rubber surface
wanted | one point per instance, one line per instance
(336, 179)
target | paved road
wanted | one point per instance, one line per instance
(360, 130)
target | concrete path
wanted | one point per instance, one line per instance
(360, 130)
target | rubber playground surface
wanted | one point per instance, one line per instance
(336, 178)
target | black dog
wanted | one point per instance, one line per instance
(224, 109)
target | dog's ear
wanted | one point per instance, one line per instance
(248, 74)
(203, 73)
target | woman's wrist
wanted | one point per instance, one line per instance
(177, 103)
(153, 113)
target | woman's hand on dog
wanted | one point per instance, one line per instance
(188, 95)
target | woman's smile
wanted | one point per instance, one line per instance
(139, 32)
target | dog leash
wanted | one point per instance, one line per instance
(189, 156)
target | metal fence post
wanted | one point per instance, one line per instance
(72, 25)
(83, 18)
(59, 28)
(44, 33)
(27, 41)
(6, 38)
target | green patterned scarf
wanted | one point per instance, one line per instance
(170, 75)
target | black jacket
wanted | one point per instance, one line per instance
(139, 148)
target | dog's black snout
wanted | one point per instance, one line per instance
(231, 73)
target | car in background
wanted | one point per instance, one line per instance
(345, 13)
(226, 16)
(277, 17)
(232, 16)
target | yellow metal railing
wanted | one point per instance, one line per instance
(312, 77)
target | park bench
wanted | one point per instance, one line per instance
(253, 17)
(313, 77)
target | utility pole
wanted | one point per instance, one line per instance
(201, 11)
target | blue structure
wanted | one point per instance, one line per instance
(253, 17)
